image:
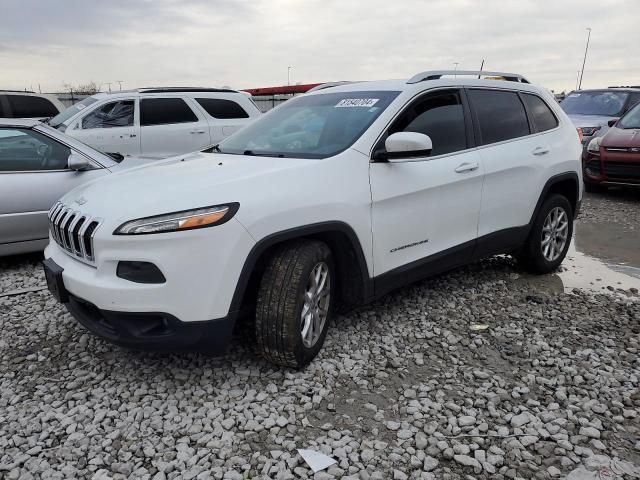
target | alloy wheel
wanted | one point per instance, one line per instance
(316, 304)
(555, 233)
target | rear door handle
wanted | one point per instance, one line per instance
(466, 167)
(540, 151)
(196, 131)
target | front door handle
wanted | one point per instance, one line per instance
(196, 131)
(540, 151)
(466, 167)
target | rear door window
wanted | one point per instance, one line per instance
(27, 106)
(110, 115)
(221, 108)
(501, 115)
(163, 111)
(542, 116)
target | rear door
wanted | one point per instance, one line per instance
(515, 160)
(225, 116)
(110, 127)
(170, 126)
(34, 173)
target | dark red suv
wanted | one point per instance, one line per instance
(614, 159)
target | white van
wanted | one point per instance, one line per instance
(157, 122)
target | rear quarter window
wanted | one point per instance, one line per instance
(26, 106)
(501, 115)
(222, 108)
(542, 116)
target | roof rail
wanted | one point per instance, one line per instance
(436, 74)
(183, 89)
(324, 86)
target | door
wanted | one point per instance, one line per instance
(111, 127)
(515, 160)
(33, 175)
(169, 126)
(427, 208)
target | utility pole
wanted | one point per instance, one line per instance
(288, 75)
(585, 57)
(120, 83)
(481, 66)
(109, 85)
(455, 69)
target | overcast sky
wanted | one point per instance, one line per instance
(247, 44)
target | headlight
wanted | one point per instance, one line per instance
(594, 145)
(588, 131)
(184, 220)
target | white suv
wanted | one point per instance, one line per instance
(340, 195)
(157, 122)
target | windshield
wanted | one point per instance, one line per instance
(71, 111)
(631, 118)
(604, 103)
(310, 126)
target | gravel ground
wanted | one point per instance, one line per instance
(404, 388)
(615, 206)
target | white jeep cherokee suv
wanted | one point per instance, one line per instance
(157, 122)
(340, 195)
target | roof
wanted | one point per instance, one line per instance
(18, 122)
(145, 90)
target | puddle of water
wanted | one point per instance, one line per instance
(585, 272)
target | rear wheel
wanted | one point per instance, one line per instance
(294, 303)
(550, 236)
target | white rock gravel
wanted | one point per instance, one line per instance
(403, 389)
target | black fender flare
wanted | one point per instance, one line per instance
(547, 188)
(314, 229)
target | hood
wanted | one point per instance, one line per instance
(179, 183)
(622, 138)
(590, 120)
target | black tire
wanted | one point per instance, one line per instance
(531, 257)
(281, 299)
(594, 188)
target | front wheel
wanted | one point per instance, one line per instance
(549, 237)
(294, 303)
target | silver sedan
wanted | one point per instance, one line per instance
(38, 165)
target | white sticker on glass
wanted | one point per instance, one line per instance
(357, 102)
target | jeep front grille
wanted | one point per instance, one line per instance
(73, 231)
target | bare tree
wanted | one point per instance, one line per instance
(89, 88)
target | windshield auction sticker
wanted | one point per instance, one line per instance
(357, 102)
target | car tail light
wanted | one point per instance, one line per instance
(580, 135)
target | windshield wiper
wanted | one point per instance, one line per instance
(212, 148)
(262, 154)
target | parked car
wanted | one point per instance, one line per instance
(157, 122)
(337, 196)
(38, 165)
(592, 110)
(39, 106)
(614, 159)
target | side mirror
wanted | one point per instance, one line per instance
(78, 162)
(612, 122)
(403, 145)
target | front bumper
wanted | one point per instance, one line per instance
(152, 331)
(201, 267)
